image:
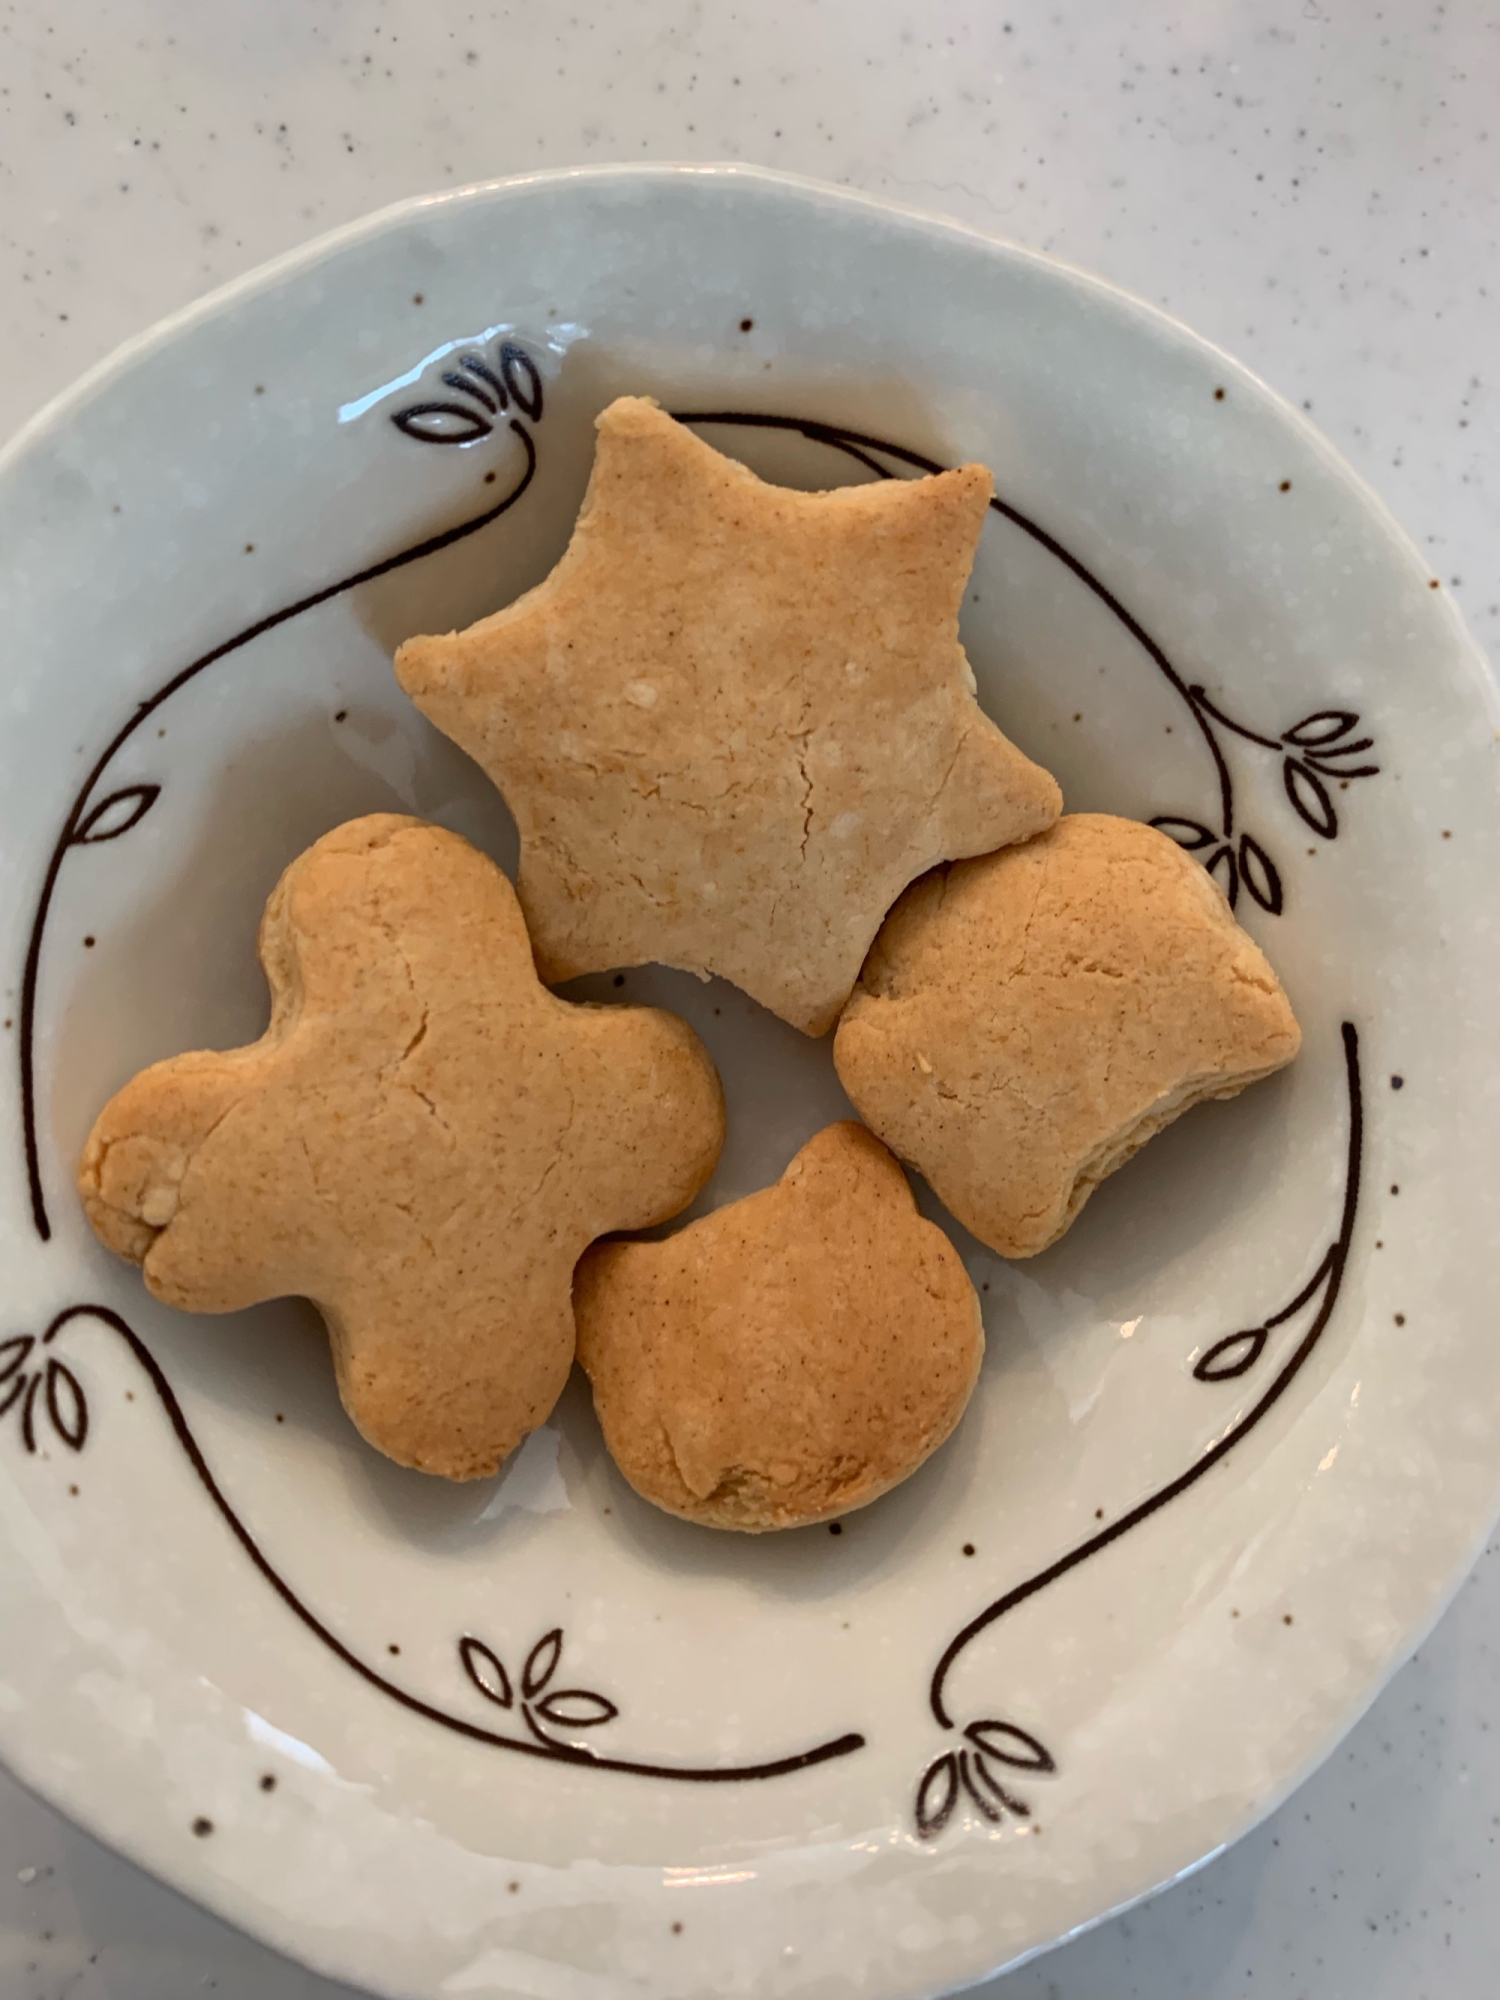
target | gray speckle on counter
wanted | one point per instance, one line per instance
(1314, 185)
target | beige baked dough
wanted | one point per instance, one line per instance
(736, 720)
(422, 1143)
(1026, 1022)
(787, 1358)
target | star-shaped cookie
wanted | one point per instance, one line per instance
(423, 1143)
(1027, 1021)
(736, 720)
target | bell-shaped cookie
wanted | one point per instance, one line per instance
(787, 1358)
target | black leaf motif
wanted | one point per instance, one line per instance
(1325, 726)
(1186, 832)
(66, 1405)
(981, 1798)
(986, 1777)
(1259, 875)
(14, 1393)
(937, 1795)
(522, 378)
(1224, 863)
(576, 1708)
(541, 1663)
(487, 1672)
(13, 1353)
(453, 380)
(442, 423)
(1235, 1354)
(28, 1413)
(1308, 794)
(1328, 753)
(1013, 1746)
(482, 369)
(1342, 770)
(117, 814)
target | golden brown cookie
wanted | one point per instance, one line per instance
(422, 1143)
(1026, 1022)
(788, 1358)
(736, 720)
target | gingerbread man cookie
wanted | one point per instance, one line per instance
(787, 1358)
(736, 720)
(1026, 1022)
(423, 1142)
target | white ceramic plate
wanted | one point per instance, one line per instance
(1236, 1436)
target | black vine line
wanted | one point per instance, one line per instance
(939, 1787)
(90, 820)
(1313, 747)
(56, 1388)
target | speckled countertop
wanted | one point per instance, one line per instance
(1312, 183)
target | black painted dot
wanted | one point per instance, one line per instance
(1398, 1082)
(489, 479)
(1098, 1513)
(419, 298)
(746, 325)
(249, 548)
(514, 1887)
(619, 979)
(260, 388)
(1218, 395)
(1234, 1614)
(677, 1930)
(835, 1527)
(968, 1548)
(268, 1781)
(1286, 486)
(280, 1418)
(1434, 585)
(74, 1491)
(341, 715)
(393, 1647)
(203, 1827)
(1395, 1189)
(1447, 833)
(1379, 1242)
(88, 943)
(1078, 718)
(1286, 1617)
(1401, 1319)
